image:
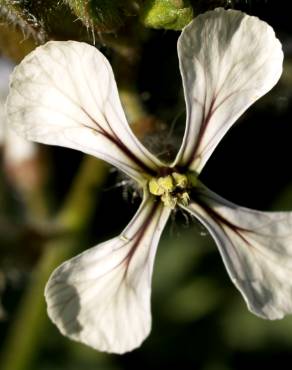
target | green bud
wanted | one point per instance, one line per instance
(167, 14)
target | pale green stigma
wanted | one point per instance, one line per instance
(173, 188)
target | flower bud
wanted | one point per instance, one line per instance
(167, 14)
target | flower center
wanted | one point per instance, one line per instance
(173, 188)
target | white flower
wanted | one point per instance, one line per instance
(64, 93)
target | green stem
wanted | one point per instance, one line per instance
(80, 203)
(23, 339)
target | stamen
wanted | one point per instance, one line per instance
(173, 188)
(161, 185)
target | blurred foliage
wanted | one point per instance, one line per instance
(199, 319)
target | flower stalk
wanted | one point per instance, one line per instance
(72, 220)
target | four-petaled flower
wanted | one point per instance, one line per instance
(64, 93)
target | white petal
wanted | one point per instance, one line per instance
(256, 248)
(64, 93)
(228, 60)
(102, 297)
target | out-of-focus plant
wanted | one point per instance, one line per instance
(21, 158)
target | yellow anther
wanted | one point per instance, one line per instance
(181, 181)
(154, 187)
(161, 185)
(169, 200)
(173, 188)
(166, 183)
(184, 198)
